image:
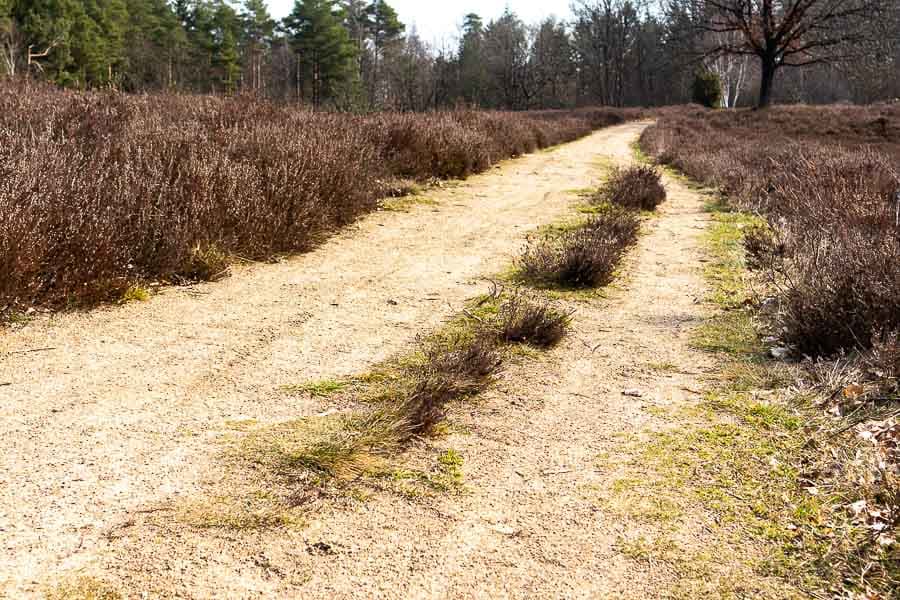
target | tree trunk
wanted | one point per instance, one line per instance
(766, 82)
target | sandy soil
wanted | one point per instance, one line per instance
(128, 410)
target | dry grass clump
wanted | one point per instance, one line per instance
(639, 187)
(339, 447)
(526, 320)
(453, 369)
(584, 256)
(101, 190)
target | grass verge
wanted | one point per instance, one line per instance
(784, 494)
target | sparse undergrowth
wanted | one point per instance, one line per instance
(404, 401)
(408, 397)
(585, 254)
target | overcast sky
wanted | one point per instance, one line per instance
(440, 19)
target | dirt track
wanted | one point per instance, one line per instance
(126, 408)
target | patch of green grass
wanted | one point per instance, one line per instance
(136, 293)
(726, 270)
(639, 155)
(320, 389)
(407, 203)
(731, 333)
(446, 477)
(451, 462)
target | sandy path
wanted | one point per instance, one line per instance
(540, 461)
(108, 411)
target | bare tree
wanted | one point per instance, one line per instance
(731, 69)
(605, 36)
(789, 33)
(10, 45)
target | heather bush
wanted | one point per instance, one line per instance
(831, 250)
(639, 187)
(531, 321)
(762, 248)
(586, 256)
(102, 190)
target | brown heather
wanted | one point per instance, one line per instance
(639, 187)
(100, 191)
(585, 256)
(826, 179)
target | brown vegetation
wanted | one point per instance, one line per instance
(583, 256)
(639, 187)
(531, 321)
(100, 191)
(828, 260)
(832, 249)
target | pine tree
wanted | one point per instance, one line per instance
(226, 59)
(324, 47)
(472, 74)
(386, 31)
(258, 28)
(157, 43)
(79, 43)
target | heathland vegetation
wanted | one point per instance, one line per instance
(102, 192)
(820, 191)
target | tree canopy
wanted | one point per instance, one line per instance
(358, 54)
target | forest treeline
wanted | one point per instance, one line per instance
(356, 54)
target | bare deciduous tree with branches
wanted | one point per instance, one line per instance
(787, 33)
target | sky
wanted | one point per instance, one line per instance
(438, 20)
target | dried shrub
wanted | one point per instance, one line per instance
(762, 248)
(101, 190)
(469, 358)
(454, 368)
(639, 187)
(832, 246)
(586, 256)
(425, 406)
(884, 360)
(526, 320)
